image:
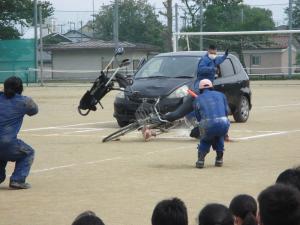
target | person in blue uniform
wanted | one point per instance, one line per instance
(211, 110)
(208, 65)
(13, 107)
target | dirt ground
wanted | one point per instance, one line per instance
(123, 180)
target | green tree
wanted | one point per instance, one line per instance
(234, 17)
(18, 12)
(238, 18)
(193, 8)
(295, 14)
(137, 23)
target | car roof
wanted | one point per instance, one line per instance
(185, 53)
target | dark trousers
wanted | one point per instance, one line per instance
(19, 152)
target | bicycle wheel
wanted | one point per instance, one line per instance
(124, 130)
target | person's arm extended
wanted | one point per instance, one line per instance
(31, 107)
(221, 59)
(185, 108)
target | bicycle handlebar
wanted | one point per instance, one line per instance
(157, 113)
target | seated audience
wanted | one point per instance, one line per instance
(87, 218)
(170, 212)
(279, 205)
(290, 177)
(244, 210)
(215, 214)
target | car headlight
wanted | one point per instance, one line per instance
(121, 94)
(179, 92)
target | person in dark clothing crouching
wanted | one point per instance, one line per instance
(13, 107)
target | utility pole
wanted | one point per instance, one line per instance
(176, 26)
(93, 26)
(61, 27)
(290, 39)
(116, 24)
(201, 25)
(41, 45)
(242, 15)
(81, 30)
(35, 36)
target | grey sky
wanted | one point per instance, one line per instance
(87, 5)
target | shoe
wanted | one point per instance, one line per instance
(2, 180)
(195, 133)
(201, 159)
(19, 185)
(219, 159)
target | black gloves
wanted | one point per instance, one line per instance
(226, 51)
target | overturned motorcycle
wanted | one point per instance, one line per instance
(104, 84)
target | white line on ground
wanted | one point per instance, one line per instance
(52, 168)
(64, 126)
(277, 106)
(266, 135)
(154, 152)
(103, 160)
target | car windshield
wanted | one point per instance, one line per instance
(169, 66)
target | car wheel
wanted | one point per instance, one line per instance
(242, 111)
(122, 123)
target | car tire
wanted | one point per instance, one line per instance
(122, 123)
(242, 111)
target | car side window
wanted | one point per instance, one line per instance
(226, 68)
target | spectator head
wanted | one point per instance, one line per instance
(244, 210)
(279, 204)
(215, 214)
(87, 218)
(212, 49)
(170, 212)
(12, 86)
(290, 177)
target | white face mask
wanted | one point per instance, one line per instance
(212, 56)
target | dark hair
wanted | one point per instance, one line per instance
(87, 218)
(279, 204)
(244, 207)
(212, 47)
(290, 177)
(170, 212)
(12, 86)
(215, 214)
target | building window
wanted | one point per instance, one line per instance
(255, 60)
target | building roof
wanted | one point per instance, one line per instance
(75, 34)
(55, 38)
(277, 42)
(100, 44)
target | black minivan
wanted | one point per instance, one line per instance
(169, 75)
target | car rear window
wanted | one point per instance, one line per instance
(169, 66)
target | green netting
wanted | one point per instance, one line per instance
(16, 57)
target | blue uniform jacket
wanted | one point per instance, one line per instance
(207, 67)
(12, 111)
(210, 105)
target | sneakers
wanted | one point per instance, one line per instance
(201, 159)
(2, 179)
(19, 185)
(219, 159)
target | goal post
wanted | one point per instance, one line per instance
(242, 36)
